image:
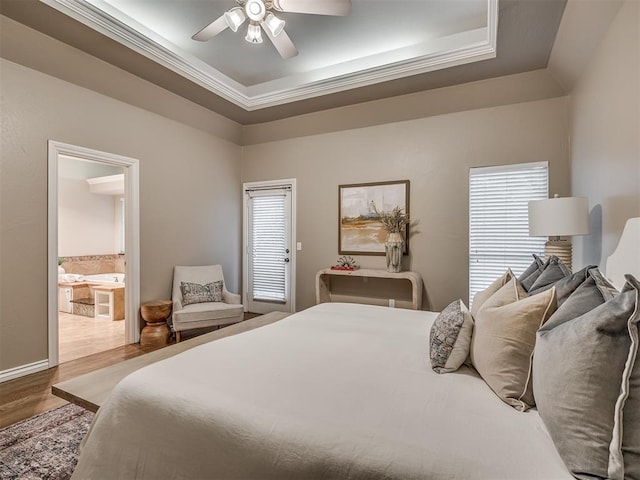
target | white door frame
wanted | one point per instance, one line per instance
(132, 238)
(245, 238)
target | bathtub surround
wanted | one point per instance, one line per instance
(94, 264)
(99, 277)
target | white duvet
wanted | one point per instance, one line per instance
(339, 391)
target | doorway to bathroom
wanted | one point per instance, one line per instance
(93, 252)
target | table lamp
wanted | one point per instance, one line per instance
(559, 217)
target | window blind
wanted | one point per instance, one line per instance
(268, 247)
(499, 221)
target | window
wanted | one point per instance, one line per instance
(499, 222)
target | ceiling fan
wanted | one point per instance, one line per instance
(260, 14)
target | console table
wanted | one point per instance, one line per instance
(372, 286)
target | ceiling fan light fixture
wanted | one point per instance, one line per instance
(274, 24)
(235, 17)
(254, 34)
(255, 10)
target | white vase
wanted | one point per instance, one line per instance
(394, 248)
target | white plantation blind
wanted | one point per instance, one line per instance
(499, 222)
(268, 246)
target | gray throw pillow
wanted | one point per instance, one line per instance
(631, 425)
(450, 337)
(552, 271)
(196, 293)
(581, 379)
(566, 285)
(532, 272)
(594, 291)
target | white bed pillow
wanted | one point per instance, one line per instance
(450, 337)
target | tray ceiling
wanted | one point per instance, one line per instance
(381, 49)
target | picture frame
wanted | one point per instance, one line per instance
(359, 230)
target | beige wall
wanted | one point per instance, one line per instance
(605, 136)
(435, 154)
(190, 201)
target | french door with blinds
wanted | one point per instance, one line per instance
(269, 256)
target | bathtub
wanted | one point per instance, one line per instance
(105, 278)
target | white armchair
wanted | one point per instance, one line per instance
(207, 313)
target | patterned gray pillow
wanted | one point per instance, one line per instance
(587, 388)
(196, 293)
(450, 337)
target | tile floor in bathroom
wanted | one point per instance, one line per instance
(80, 336)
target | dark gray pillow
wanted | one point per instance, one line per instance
(581, 372)
(532, 272)
(594, 291)
(552, 271)
(566, 285)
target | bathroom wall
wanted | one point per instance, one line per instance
(87, 222)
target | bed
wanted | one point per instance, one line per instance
(335, 391)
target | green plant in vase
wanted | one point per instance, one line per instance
(395, 223)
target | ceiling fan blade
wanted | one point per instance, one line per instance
(282, 42)
(211, 30)
(319, 7)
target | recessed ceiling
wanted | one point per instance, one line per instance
(381, 49)
(377, 41)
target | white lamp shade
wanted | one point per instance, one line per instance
(274, 24)
(560, 216)
(235, 17)
(254, 34)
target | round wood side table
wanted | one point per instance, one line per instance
(155, 314)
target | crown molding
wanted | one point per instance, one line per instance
(445, 52)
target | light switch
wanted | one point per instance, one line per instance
(299, 246)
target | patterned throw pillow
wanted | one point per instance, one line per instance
(450, 337)
(196, 293)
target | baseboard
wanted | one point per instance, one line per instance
(23, 370)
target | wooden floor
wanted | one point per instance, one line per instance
(81, 336)
(30, 395)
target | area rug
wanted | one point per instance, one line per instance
(44, 446)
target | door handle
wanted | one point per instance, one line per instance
(286, 260)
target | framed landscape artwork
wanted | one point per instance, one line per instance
(359, 229)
